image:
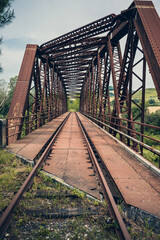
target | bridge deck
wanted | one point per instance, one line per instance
(69, 159)
(31, 145)
(138, 185)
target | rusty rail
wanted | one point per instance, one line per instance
(122, 231)
(6, 217)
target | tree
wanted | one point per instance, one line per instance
(3, 92)
(153, 119)
(6, 105)
(3, 87)
(151, 101)
(73, 105)
(6, 16)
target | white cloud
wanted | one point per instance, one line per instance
(11, 64)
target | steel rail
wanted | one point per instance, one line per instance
(6, 217)
(122, 231)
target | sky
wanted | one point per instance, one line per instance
(38, 21)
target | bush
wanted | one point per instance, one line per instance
(153, 119)
(151, 101)
(73, 105)
(11, 86)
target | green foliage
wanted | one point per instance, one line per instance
(149, 93)
(135, 111)
(2, 91)
(6, 14)
(151, 156)
(111, 91)
(73, 105)
(110, 88)
(153, 119)
(6, 105)
(151, 101)
(137, 100)
(150, 119)
(155, 135)
(150, 97)
(12, 174)
(151, 142)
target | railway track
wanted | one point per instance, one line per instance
(114, 213)
(122, 231)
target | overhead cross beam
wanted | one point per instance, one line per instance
(95, 28)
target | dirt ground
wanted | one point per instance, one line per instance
(153, 109)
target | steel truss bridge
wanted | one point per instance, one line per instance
(116, 51)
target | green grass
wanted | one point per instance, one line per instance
(12, 174)
(149, 93)
(149, 155)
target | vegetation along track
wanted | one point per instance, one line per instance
(50, 201)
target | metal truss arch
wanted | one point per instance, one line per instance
(86, 63)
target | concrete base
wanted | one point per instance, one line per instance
(142, 217)
(3, 133)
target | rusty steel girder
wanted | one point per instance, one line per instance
(39, 95)
(147, 24)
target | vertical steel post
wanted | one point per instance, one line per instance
(93, 81)
(143, 101)
(117, 104)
